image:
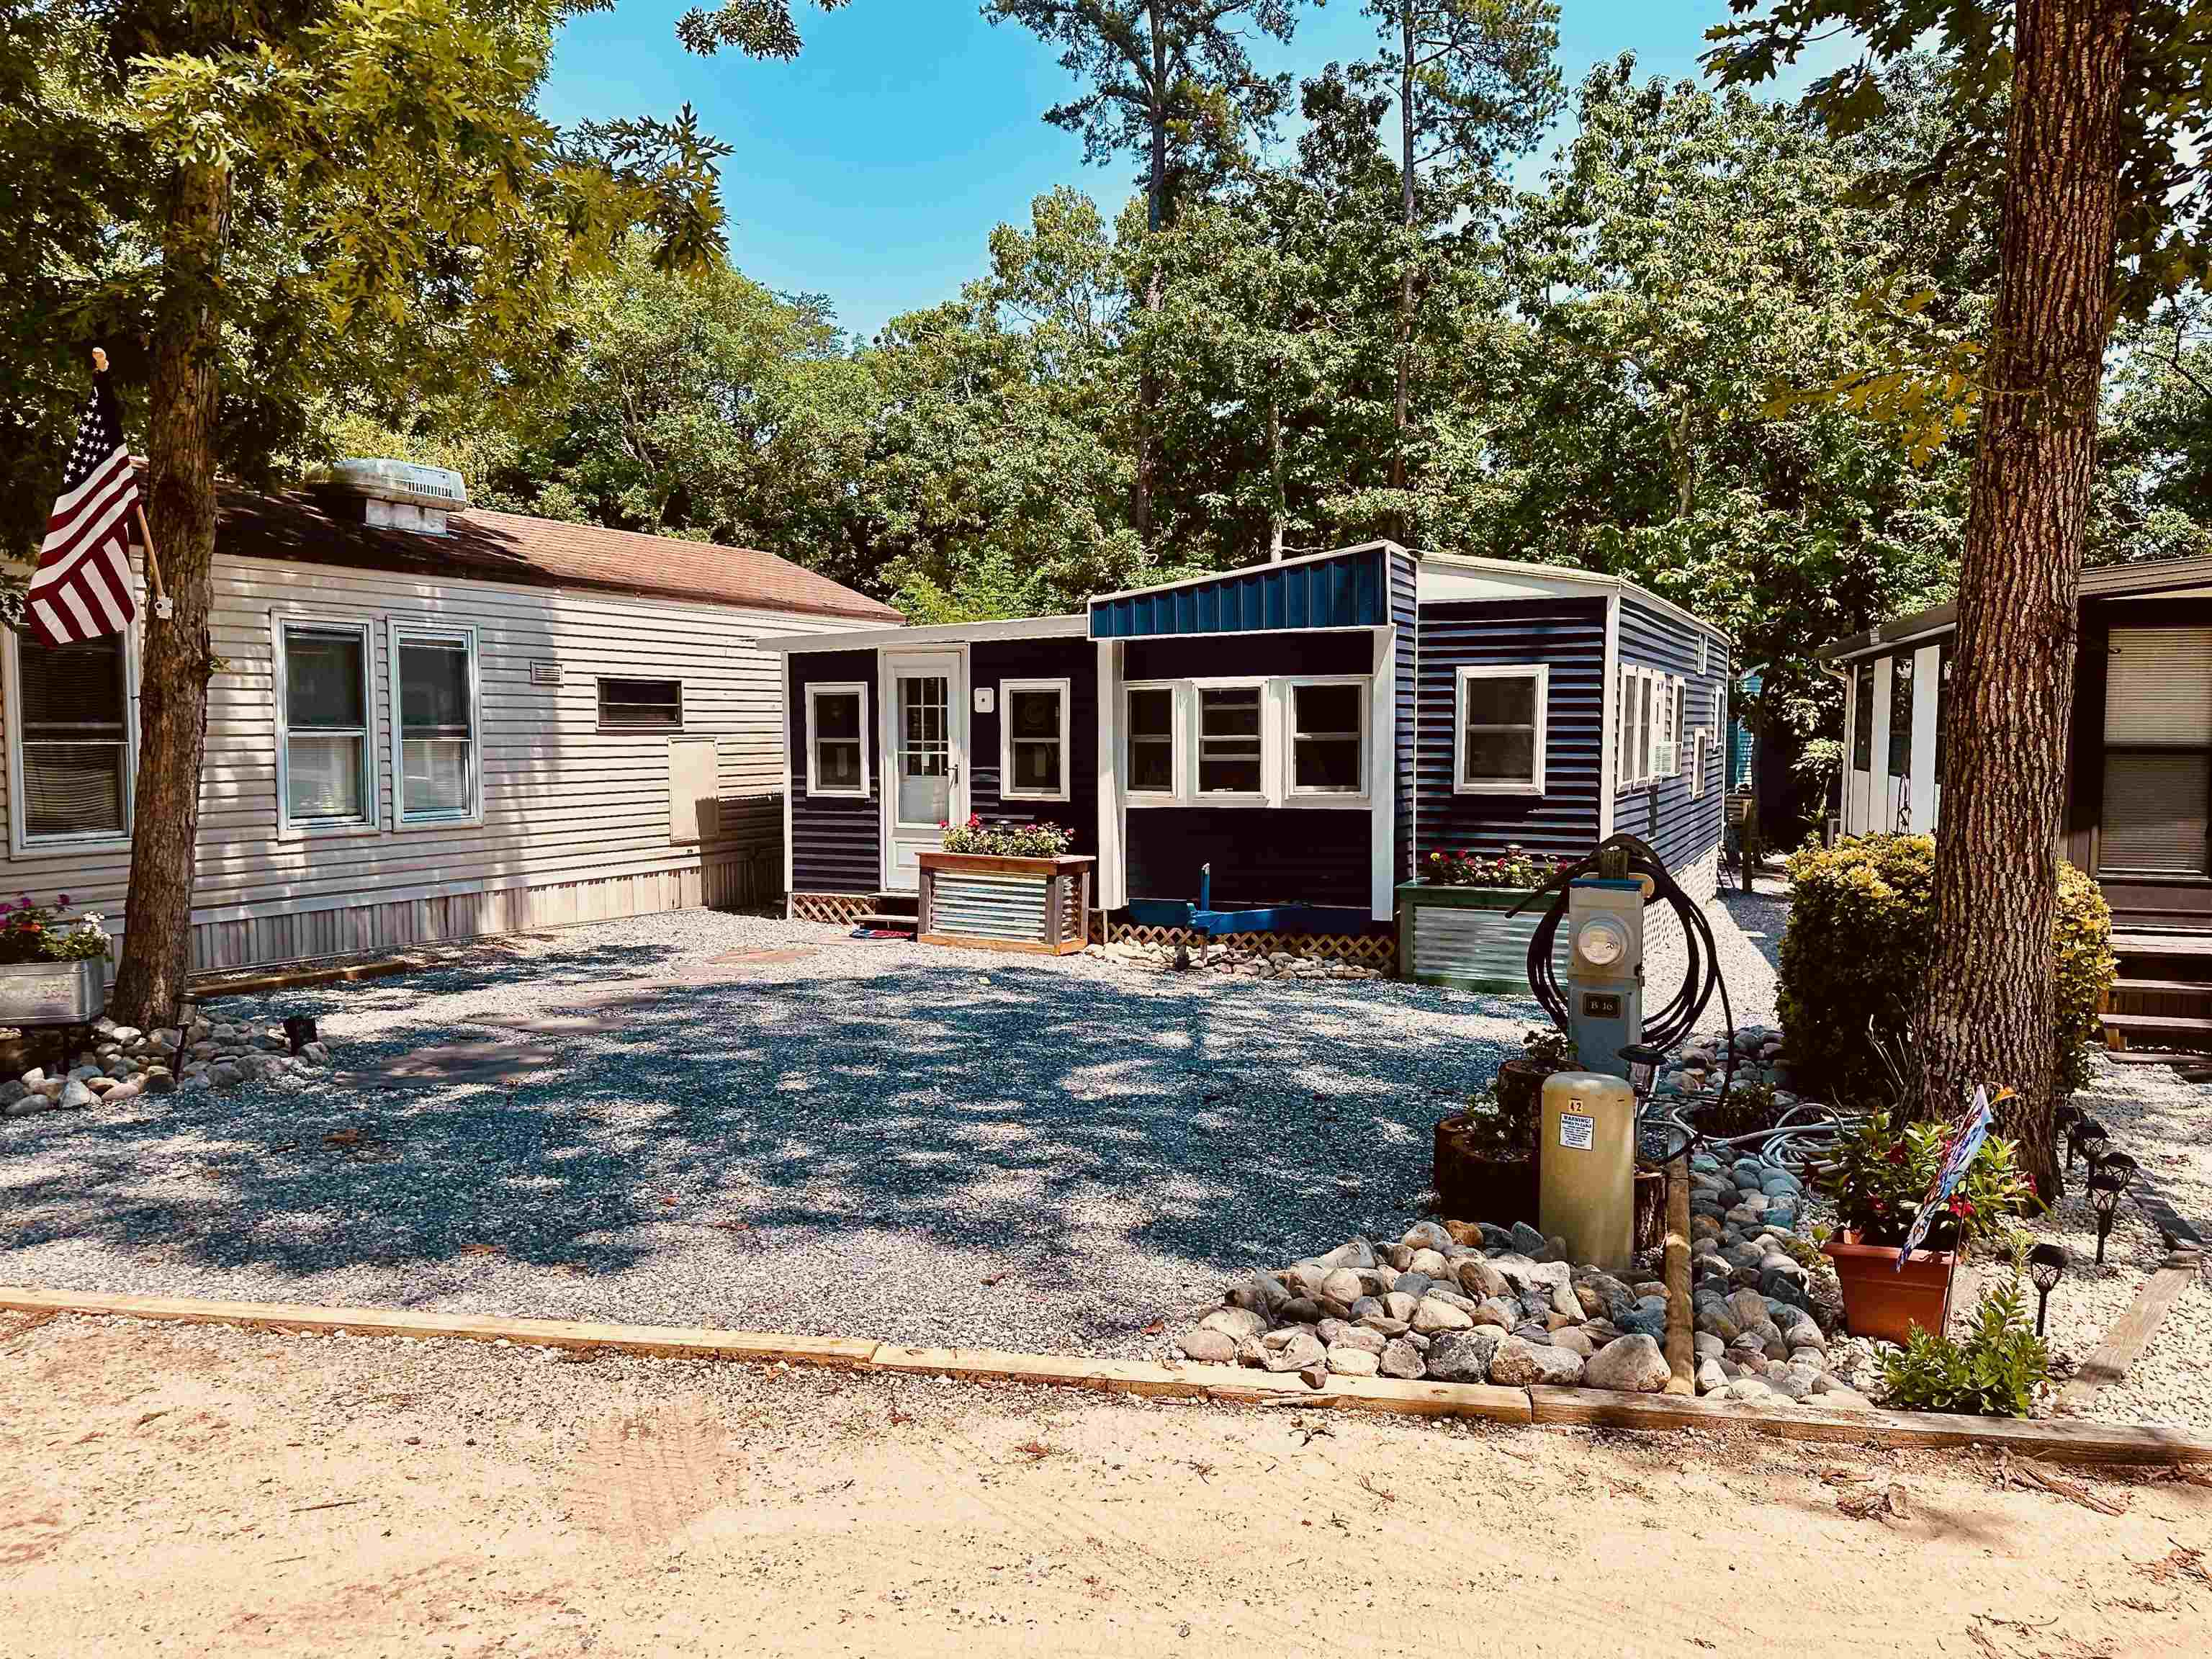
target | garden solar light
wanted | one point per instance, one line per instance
(2088, 1137)
(1643, 1062)
(2106, 1182)
(300, 1030)
(2046, 1266)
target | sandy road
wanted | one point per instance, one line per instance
(175, 1490)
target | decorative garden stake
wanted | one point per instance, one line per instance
(2107, 1182)
(2046, 1266)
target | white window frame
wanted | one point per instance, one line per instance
(22, 845)
(599, 704)
(1705, 646)
(1540, 672)
(399, 632)
(1697, 764)
(1175, 794)
(371, 820)
(1065, 689)
(1359, 796)
(815, 692)
(1267, 794)
(1677, 713)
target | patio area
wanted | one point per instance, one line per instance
(741, 1122)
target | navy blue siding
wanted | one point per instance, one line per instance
(1075, 661)
(1681, 830)
(1348, 591)
(1405, 614)
(1569, 635)
(1259, 856)
(836, 842)
(1255, 654)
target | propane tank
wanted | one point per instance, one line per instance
(1586, 1167)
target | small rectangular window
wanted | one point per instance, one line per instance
(1862, 717)
(1901, 714)
(1033, 723)
(1647, 717)
(1677, 724)
(1151, 740)
(1500, 730)
(641, 705)
(1329, 725)
(1696, 765)
(433, 673)
(836, 739)
(325, 723)
(1229, 740)
(73, 703)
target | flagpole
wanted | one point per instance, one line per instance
(161, 606)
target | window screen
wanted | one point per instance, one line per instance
(74, 701)
(1325, 727)
(1151, 740)
(642, 705)
(1862, 717)
(1498, 730)
(325, 725)
(837, 743)
(1900, 715)
(2158, 751)
(437, 728)
(1229, 740)
(1036, 759)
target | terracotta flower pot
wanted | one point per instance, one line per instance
(1882, 1300)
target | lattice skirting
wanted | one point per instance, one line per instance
(1378, 951)
(838, 909)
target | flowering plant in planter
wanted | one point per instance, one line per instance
(1008, 840)
(30, 932)
(1881, 1174)
(1514, 867)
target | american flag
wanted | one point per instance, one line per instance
(81, 588)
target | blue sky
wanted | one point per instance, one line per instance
(874, 167)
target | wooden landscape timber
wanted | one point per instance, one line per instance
(2062, 1442)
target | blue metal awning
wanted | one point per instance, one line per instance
(1350, 589)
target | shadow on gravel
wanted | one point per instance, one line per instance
(1037, 1115)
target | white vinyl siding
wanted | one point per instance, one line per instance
(576, 820)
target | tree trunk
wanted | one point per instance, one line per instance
(1155, 191)
(175, 663)
(1987, 1013)
(1407, 202)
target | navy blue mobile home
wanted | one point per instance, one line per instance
(1309, 731)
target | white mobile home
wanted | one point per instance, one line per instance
(432, 722)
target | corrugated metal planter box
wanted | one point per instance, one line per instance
(1461, 937)
(52, 992)
(995, 903)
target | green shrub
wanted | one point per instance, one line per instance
(1862, 929)
(1994, 1372)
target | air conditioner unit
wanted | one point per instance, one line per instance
(401, 481)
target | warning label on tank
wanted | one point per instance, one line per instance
(1576, 1130)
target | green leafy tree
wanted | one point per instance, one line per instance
(2106, 108)
(759, 28)
(337, 195)
(1174, 81)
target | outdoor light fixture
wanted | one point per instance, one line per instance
(2064, 1116)
(1643, 1063)
(2108, 1180)
(300, 1030)
(2088, 1138)
(2046, 1266)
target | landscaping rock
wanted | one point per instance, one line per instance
(1401, 1358)
(1353, 1362)
(1433, 1317)
(1464, 1355)
(1211, 1347)
(1631, 1365)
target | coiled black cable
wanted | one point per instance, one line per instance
(1674, 1021)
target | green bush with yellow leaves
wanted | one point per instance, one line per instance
(1862, 929)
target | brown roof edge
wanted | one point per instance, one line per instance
(298, 525)
(2103, 581)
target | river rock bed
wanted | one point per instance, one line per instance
(1231, 956)
(119, 1063)
(1454, 1302)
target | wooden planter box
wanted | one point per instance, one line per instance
(1879, 1300)
(52, 992)
(993, 903)
(1461, 937)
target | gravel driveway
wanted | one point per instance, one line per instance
(875, 1139)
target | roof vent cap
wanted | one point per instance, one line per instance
(399, 495)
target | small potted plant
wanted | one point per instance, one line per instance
(1879, 1177)
(1486, 1155)
(52, 968)
(1455, 925)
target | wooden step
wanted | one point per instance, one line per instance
(2190, 1030)
(889, 924)
(2165, 987)
(898, 904)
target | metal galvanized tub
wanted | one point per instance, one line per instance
(1003, 903)
(52, 992)
(1462, 937)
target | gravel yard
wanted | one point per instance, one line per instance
(871, 1138)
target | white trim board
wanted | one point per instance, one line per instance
(917, 639)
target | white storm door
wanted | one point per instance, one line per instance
(925, 749)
